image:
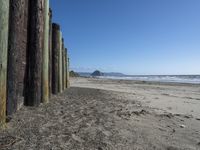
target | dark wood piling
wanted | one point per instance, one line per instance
(55, 57)
(35, 48)
(50, 52)
(63, 66)
(67, 69)
(4, 23)
(17, 47)
(45, 55)
(60, 65)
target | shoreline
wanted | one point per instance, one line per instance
(145, 82)
(165, 97)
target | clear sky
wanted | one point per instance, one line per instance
(131, 36)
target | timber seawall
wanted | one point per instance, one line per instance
(34, 63)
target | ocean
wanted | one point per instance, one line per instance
(195, 79)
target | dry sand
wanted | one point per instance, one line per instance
(110, 114)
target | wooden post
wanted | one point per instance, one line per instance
(67, 69)
(63, 65)
(55, 57)
(45, 56)
(4, 23)
(60, 64)
(17, 46)
(50, 52)
(35, 48)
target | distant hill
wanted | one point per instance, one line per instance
(97, 73)
(88, 74)
(73, 74)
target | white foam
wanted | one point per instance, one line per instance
(176, 79)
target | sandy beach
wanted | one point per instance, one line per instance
(106, 114)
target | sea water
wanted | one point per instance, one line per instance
(195, 79)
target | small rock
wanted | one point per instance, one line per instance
(167, 115)
(142, 112)
(187, 116)
(182, 126)
(8, 119)
(172, 148)
(99, 148)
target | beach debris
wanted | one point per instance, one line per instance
(161, 129)
(198, 119)
(165, 94)
(170, 115)
(6, 142)
(177, 115)
(141, 112)
(188, 116)
(184, 116)
(8, 119)
(99, 148)
(171, 148)
(182, 126)
(76, 138)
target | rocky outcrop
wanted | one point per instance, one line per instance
(97, 73)
(73, 74)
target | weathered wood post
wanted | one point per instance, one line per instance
(65, 73)
(4, 23)
(60, 64)
(50, 52)
(67, 69)
(45, 55)
(17, 47)
(55, 57)
(35, 48)
(63, 65)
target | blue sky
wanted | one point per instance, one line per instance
(131, 36)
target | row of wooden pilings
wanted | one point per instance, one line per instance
(34, 63)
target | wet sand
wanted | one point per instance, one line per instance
(100, 114)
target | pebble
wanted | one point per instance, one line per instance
(182, 126)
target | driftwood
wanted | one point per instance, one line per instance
(35, 47)
(4, 23)
(17, 47)
(45, 55)
(55, 57)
